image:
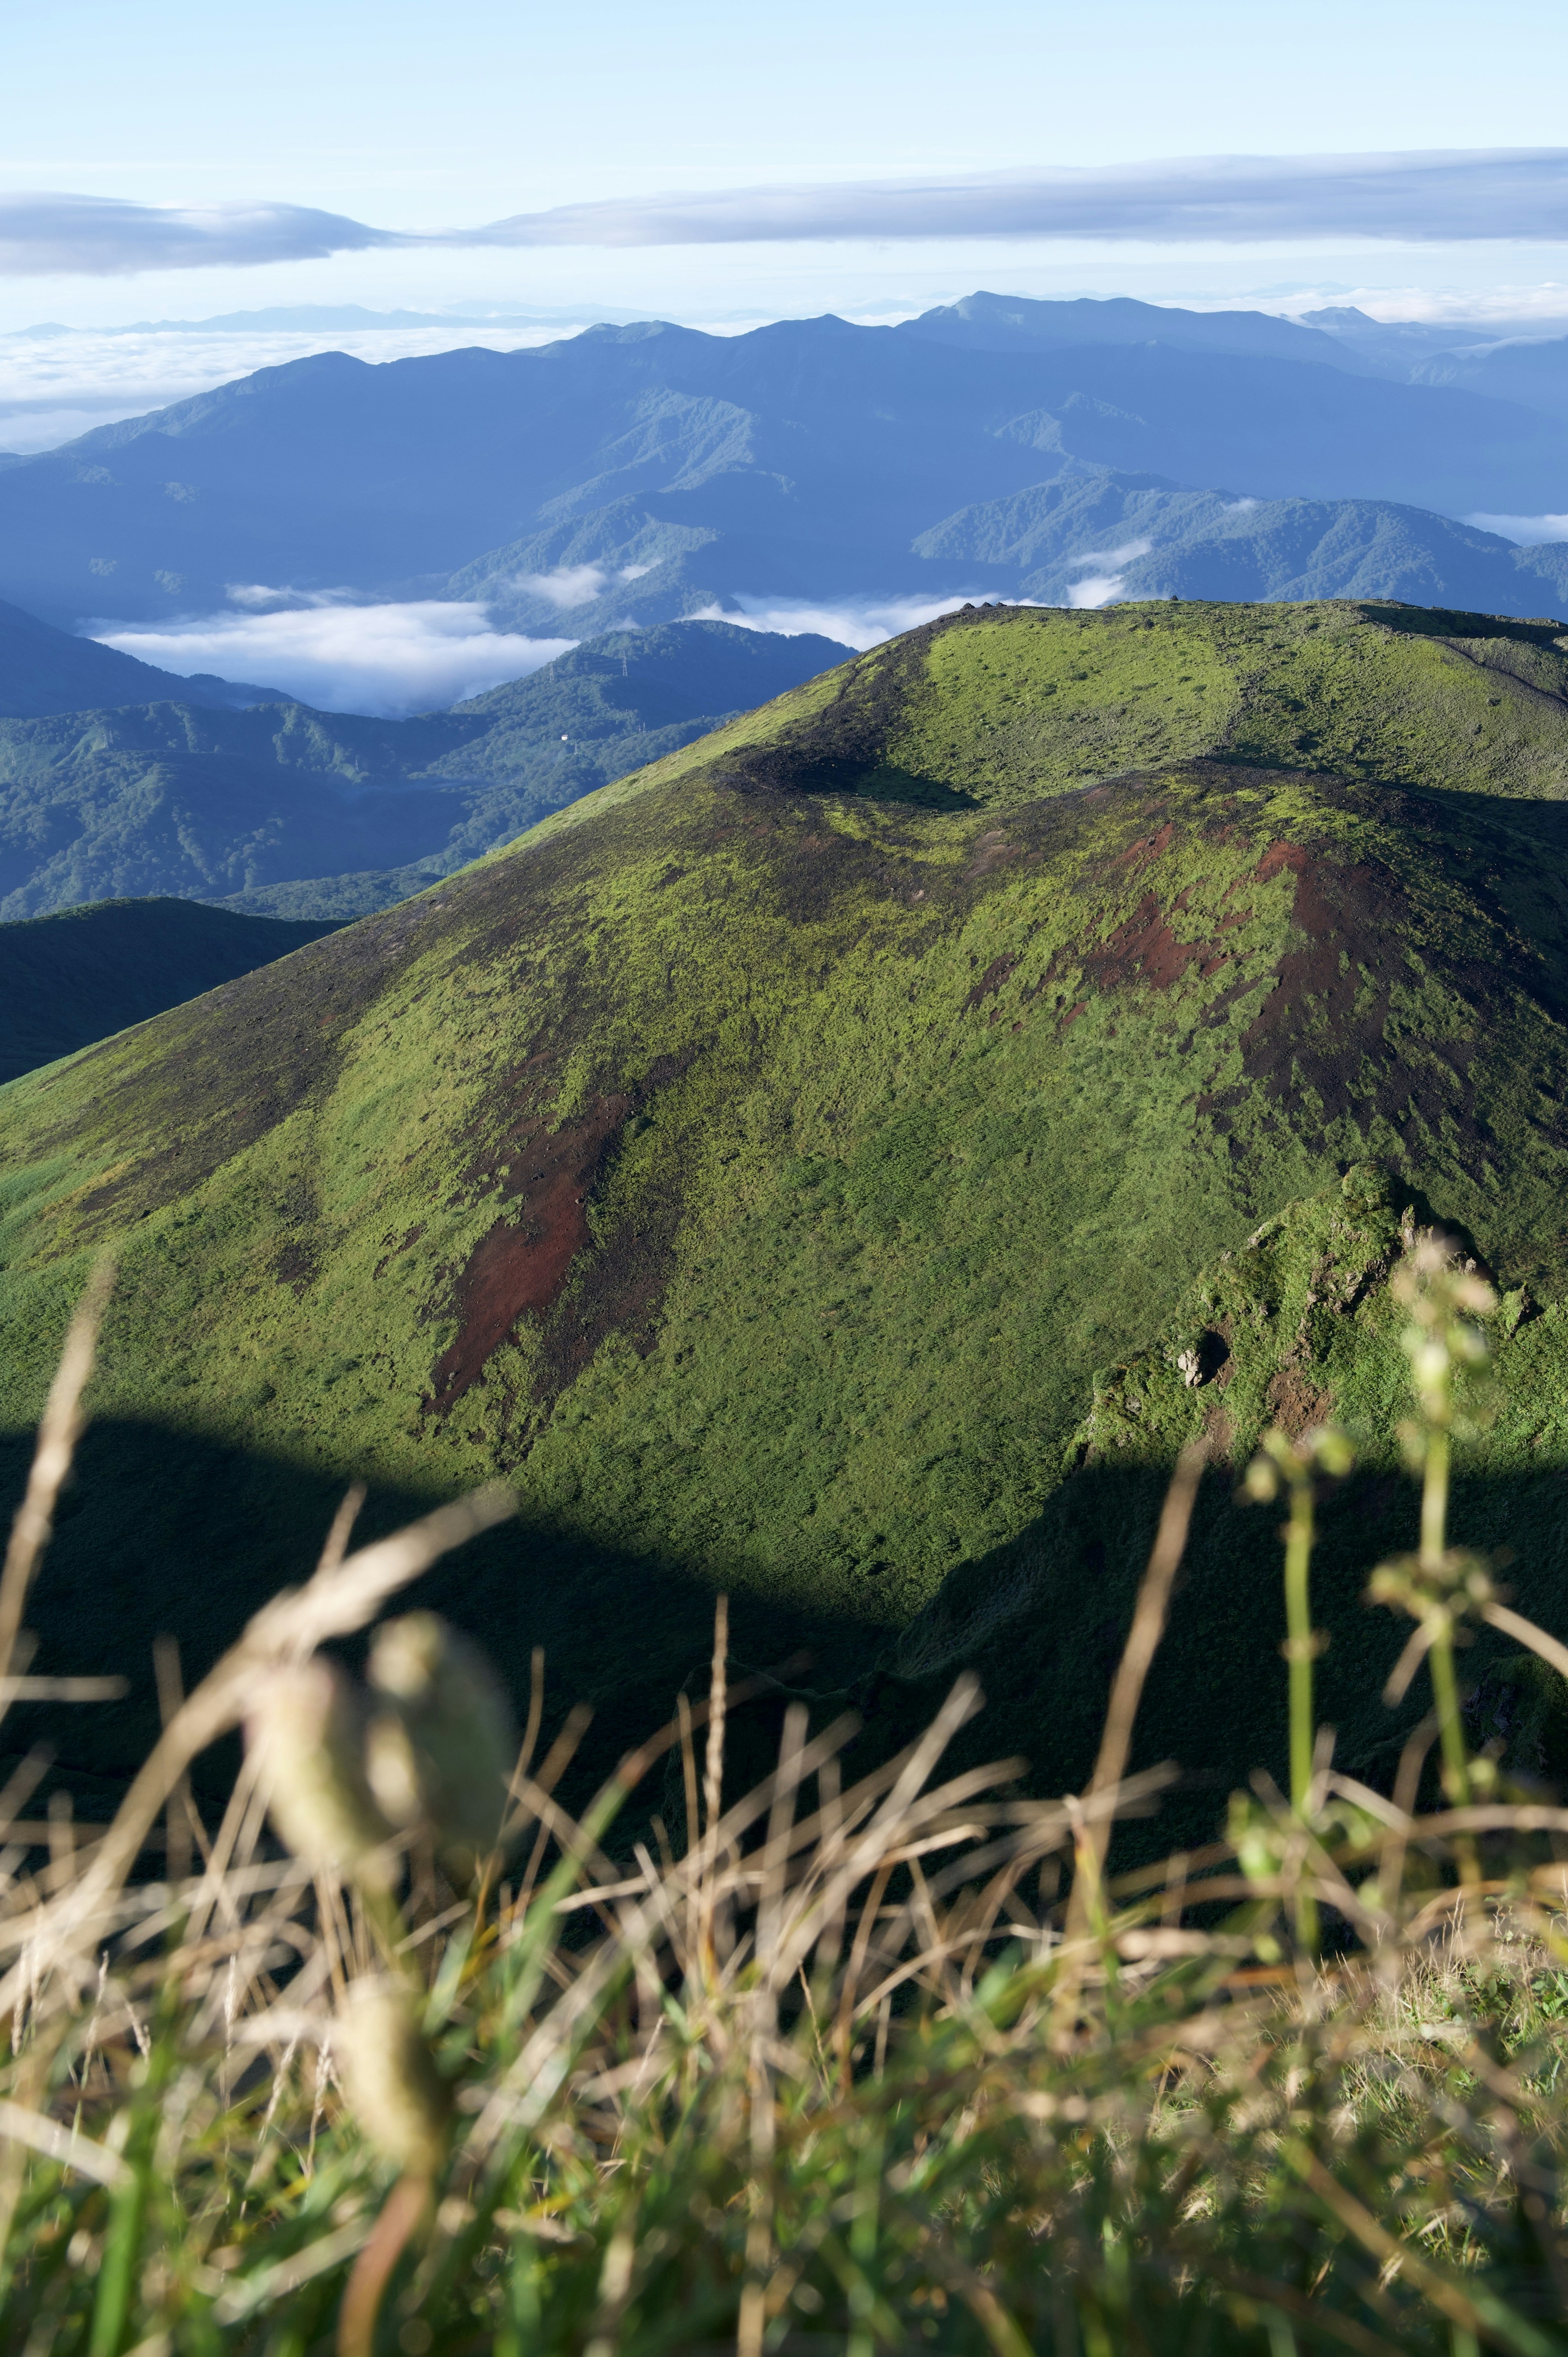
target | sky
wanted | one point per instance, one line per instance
(722, 167)
(418, 121)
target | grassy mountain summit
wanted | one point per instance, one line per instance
(759, 1160)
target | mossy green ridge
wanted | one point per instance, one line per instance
(1296, 1324)
(757, 1162)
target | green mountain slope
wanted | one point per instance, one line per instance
(758, 1161)
(256, 808)
(1295, 1322)
(68, 980)
(1086, 538)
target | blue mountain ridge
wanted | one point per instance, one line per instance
(804, 461)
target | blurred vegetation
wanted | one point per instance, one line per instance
(893, 2063)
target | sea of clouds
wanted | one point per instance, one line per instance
(858, 622)
(428, 653)
(389, 659)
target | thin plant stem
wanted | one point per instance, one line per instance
(1450, 1726)
(1444, 1679)
(1435, 1500)
(1299, 1536)
(1300, 1532)
(58, 1432)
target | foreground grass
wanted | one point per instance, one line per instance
(890, 2067)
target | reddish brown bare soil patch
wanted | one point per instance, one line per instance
(1279, 856)
(1323, 1027)
(542, 1261)
(990, 980)
(1146, 949)
(1148, 846)
(522, 1265)
(1296, 1404)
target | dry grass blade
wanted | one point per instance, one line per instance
(713, 1771)
(63, 1689)
(338, 1600)
(1148, 1622)
(347, 1596)
(1127, 1692)
(1417, 1646)
(1514, 1624)
(184, 1826)
(336, 1545)
(45, 2136)
(59, 1433)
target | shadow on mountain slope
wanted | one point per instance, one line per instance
(153, 1520)
(1042, 1623)
(164, 1533)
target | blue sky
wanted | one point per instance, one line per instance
(415, 119)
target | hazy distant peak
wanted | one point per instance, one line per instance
(1338, 315)
(984, 321)
(634, 331)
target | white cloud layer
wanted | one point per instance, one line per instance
(44, 232)
(1446, 196)
(1122, 556)
(389, 659)
(1096, 589)
(858, 622)
(1531, 532)
(574, 585)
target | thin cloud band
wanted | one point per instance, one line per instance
(1451, 196)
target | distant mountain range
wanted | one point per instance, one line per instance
(282, 810)
(1088, 539)
(653, 470)
(992, 450)
(44, 669)
(1012, 323)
